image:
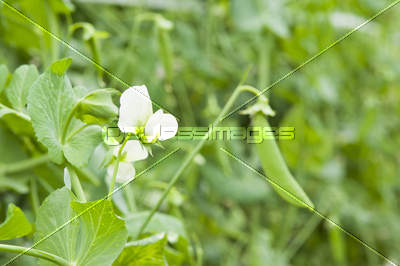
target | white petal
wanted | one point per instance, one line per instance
(169, 127)
(126, 172)
(153, 126)
(135, 110)
(134, 151)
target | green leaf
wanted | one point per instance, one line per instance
(160, 222)
(15, 225)
(79, 147)
(147, 251)
(17, 121)
(61, 7)
(254, 15)
(50, 101)
(60, 67)
(245, 15)
(21, 81)
(3, 76)
(21, 33)
(273, 15)
(96, 237)
(4, 110)
(103, 234)
(54, 212)
(97, 107)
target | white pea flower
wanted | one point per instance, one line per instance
(136, 116)
(132, 151)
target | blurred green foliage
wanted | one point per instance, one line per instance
(345, 108)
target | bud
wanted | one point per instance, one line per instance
(97, 107)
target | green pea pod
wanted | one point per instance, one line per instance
(276, 169)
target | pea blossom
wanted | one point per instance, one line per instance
(137, 117)
(133, 151)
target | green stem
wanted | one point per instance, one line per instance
(187, 161)
(86, 173)
(302, 236)
(68, 35)
(253, 90)
(177, 212)
(130, 198)
(69, 118)
(25, 164)
(264, 63)
(35, 253)
(187, 110)
(287, 227)
(76, 184)
(53, 27)
(116, 167)
(254, 233)
(131, 45)
(34, 195)
(198, 249)
(45, 184)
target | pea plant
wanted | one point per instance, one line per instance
(64, 124)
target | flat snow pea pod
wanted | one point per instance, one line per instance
(276, 169)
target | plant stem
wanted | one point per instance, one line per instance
(198, 249)
(49, 188)
(52, 21)
(69, 118)
(116, 167)
(130, 198)
(265, 44)
(86, 173)
(76, 184)
(251, 89)
(35, 253)
(287, 227)
(302, 236)
(187, 161)
(34, 195)
(131, 45)
(25, 164)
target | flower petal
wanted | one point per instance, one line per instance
(135, 110)
(153, 125)
(126, 172)
(134, 151)
(169, 127)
